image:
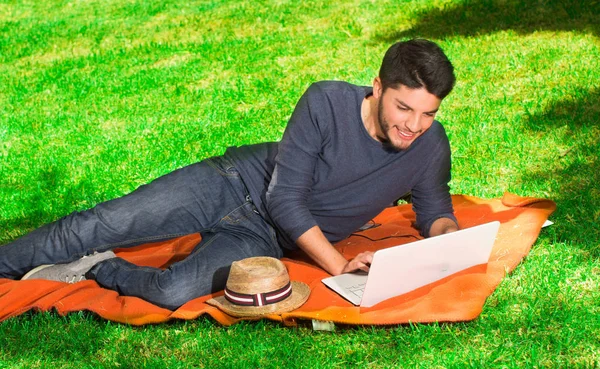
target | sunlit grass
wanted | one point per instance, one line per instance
(99, 97)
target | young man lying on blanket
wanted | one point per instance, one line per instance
(347, 153)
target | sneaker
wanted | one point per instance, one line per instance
(71, 272)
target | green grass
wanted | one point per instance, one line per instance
(99, 97)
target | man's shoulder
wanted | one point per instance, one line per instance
(434, 141)
(333, 88)
(438, 127)
(436, 132)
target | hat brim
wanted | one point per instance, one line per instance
(300, 293)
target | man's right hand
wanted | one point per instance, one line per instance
(362, 262)
(314, 243)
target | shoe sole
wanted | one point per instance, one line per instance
(35, 270)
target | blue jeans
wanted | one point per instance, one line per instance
(208, 197)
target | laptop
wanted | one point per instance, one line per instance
(401, 269)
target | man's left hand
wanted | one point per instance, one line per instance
(442, 226)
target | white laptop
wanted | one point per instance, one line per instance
(401, 269)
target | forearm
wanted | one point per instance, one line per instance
(442, 226)
(314, 243)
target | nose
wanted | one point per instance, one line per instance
(414, 123)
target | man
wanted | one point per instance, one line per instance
(347, 153)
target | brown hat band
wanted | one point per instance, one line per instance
(258, 299)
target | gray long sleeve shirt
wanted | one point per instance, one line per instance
(328, 171)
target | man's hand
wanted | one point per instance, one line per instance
(442, 226)
(362, 262)
(314, 243)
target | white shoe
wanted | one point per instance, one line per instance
(70, 272)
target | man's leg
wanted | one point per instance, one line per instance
(240, 234)
(188, 200)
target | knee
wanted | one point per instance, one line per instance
(172, 294)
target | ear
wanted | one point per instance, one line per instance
(377, 88)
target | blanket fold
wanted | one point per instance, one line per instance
(459, 297)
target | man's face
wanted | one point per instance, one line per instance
(404, 114)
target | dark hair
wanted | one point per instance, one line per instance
(417, 63)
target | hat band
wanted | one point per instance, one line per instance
(259, 299)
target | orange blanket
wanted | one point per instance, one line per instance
(459, 297)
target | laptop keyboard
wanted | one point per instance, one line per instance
(357, 289)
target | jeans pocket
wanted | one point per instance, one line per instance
(245, 222)
(223, 166)
(238, 215)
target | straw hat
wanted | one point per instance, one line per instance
(258, 286)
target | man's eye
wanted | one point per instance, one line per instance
(402, 108)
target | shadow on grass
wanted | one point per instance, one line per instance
(474, 17)
(573, 175)
(40, 202)
(57, 338)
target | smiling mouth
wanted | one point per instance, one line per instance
(406, 135)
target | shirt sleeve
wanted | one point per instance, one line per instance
(431, 196)
(299, 150)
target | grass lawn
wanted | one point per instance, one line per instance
(99, 97)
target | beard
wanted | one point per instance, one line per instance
(386, 142)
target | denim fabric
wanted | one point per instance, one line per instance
(208, 197)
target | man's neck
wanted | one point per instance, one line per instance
(369, 115)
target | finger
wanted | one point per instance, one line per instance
(365, 258)
(368, 258)
(355, 265)
(361, 266)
